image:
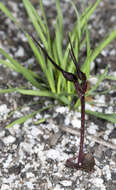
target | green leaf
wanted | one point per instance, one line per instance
(19, 68)
(8, 13)
(34, 19)
(59, 18)
(26, 117)
(97, 51)
(110, 77)
(46, 26)
(47, 68)
(9, 65)
(9, 90)
(88, 12)
(40, 121)
(36, 92)
(44, 93)
(108, 117)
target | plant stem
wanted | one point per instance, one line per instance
(80, 157)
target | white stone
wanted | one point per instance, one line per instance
(25, 109)
(38, 116)
(92, 65)
(56, 154)
(92, 129)
(5, 187)
(98, 182)
(93, 80)
(3, 111)
(113, 18)
(2, 134)
(15, 130)
(29, 185)
(8, 161)
(27, 122)
(105, 137)
(110, 126)
(27, 147)
(91, 144)
(17, 114)
(107, 172)
(10, 179)
(104, 52)
(114, 141)
(53, 154)
(76, 122)
(58, 187)
(113, 52)
(62, 109)
(36, 131)
(101, 99)
(22, 36)
(29, 175)
(101, 31)
(20, 52)
(67, 121)
(9, 140)
(66, 183)
(41, 154)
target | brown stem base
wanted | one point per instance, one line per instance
(87, 163)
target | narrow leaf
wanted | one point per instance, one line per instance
(108, 117)
(26, 117)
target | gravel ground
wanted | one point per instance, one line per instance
(32, 155)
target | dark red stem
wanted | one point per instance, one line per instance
(80, 157)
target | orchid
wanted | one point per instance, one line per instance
(85, 161)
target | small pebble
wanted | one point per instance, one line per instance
(19, 52)
(8, 140)
(66, 183)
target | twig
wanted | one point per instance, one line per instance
(89, 137)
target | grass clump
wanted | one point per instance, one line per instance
(53, 84)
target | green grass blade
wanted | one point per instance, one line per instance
(77, 104)
(110, 77)
(40, 121)
(86, 15)
(47, 68)
(46, 26)
(12, 67)
(42, 93)
(9, 65)
(88, 41)
(49, 73)
(26, 117)
(78, 20)
(8, 13)
(9, 90)
(32, 15)
(38, 18)
(97, 51)
(58, 42)
(50, 76)
(37, 53)
(108, 117)
(59, 18)
(20, 68)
